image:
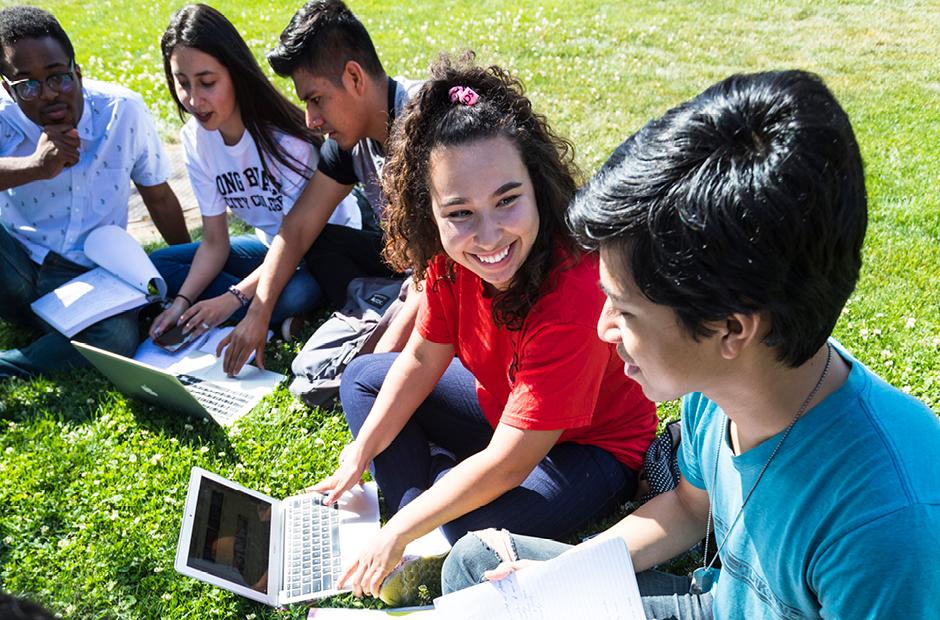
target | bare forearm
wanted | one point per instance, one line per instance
(169, 220)
(272, 276)
(165, 211)
(207, 264)
(662, 528)
(409, 381)
(16, 171)
(298, 232)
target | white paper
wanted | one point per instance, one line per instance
(149, 353)
(86, 299)
(113, 248)
(215, 337)
(432, 543)
(119, 283)
(593, 580)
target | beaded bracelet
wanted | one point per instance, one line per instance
(243, 299)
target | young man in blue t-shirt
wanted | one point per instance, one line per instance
(730, 234)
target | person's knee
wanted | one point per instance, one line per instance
(123, 338)
(471, 556)
(171, 257)
(173, 264)
(360, 383)
(302, 294)
(118, 334)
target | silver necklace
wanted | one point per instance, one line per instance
(704, 578)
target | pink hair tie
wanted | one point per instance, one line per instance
(464, 95)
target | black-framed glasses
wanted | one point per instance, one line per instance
(31, 88)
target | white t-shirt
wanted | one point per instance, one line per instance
(232, 177)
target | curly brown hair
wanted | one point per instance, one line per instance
(431, 120)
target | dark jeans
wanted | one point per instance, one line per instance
(665, 597)
(342, 253)
(22, 282)
(246, 253)
(573, 484)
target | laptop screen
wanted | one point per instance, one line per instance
(231, 536)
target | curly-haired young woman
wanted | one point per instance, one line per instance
(504, 409)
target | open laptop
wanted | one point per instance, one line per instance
(273, 552)
(196, 385)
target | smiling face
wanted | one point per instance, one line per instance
(658, 352)
(204, 87)
(331, 109)
(484, 207)
(38, 59)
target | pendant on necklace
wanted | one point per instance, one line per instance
(703, 579)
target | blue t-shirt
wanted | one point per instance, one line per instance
(845, 522)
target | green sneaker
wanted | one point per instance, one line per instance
(415, 581)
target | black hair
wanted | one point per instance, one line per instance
(748, 198)
(262, 107)
(29, 22)
(431, 119)
(322, 36)
(13, 608)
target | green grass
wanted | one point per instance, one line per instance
(93, 483)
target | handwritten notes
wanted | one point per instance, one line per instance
(593, 580)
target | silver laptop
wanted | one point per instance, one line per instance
(273, 552)
(203, 390)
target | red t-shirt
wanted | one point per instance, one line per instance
(554, 373)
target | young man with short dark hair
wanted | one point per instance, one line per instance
(730, 233)
(68, 150)
(329, 55)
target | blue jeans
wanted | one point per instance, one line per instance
(22, 282)
(246, 253)
(573, 484)
(664, 596)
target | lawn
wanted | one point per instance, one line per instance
(93, 483)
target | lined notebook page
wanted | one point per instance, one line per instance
(593, 580)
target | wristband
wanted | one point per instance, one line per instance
(186, 299)
(243, 299)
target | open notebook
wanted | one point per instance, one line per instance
(593, 580)
(124, 279)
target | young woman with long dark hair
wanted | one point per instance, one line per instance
(248, 150)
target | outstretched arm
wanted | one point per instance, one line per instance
(663, 527)
(300, 229)
(503, 465)
(410, 380)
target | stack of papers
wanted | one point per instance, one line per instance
(593, 580)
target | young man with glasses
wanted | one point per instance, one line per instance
(68, 151)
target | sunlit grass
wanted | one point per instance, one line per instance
(93, 482)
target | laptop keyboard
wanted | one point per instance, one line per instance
(223, 405)
(312, 543)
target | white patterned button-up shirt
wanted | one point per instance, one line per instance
(119, 143)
